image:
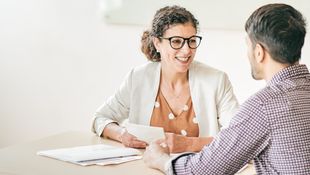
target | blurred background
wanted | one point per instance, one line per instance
(61, 59)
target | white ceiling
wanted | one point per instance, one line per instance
(228, 15)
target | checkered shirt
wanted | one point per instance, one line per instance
(272, 127)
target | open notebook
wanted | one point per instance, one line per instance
(100, 154)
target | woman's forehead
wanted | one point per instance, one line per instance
(185, 30)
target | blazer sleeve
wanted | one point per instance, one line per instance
(227, 103)
(116, 108)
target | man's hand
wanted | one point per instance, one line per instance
(156, 155)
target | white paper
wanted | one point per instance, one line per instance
(145, 133)
(93, 154)
(118, 160)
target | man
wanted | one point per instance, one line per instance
(273, 126)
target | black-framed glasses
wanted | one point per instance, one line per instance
(177, 42)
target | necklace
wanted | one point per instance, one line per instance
(177, 101)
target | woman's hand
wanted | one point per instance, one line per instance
(177, 143)
(116, 132)
(131, 140)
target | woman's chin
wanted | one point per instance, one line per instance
(183, 66)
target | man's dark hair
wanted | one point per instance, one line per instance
(280, 29)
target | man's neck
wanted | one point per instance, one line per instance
(273, 68)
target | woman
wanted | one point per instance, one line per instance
(190, 100)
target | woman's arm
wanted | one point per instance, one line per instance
(115, 109)
(179, 143)
(113, 131)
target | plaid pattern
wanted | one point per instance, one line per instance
(272, 127)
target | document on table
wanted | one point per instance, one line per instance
(145, 133)
(100, 154)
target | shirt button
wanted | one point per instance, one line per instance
(195, 120)
(183, 132)
(185, 108)
(157, 104)
(171, 116)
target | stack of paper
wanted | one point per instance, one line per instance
(93, 154)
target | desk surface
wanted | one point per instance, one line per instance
(22, 159)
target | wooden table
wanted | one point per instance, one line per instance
(22, 159)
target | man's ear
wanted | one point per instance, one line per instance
(156, 42)
(259, 53)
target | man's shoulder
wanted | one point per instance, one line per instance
(261, 97)
(252, 107)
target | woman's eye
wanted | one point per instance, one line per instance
(192, 41)
(176, 41)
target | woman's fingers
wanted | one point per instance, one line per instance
(159, 141)
(138, 144)
(132, 141)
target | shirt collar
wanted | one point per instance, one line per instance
(297, 70)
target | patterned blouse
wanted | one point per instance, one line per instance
(184, 123)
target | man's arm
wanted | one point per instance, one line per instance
(245, 138)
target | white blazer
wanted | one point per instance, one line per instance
(212, 95)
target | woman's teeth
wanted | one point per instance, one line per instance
(182, 58)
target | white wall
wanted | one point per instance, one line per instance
(59, 62)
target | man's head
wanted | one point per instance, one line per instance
(277, 29)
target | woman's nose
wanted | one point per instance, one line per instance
(185, 48)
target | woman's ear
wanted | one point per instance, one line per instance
(156, 42)
(259, 53)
